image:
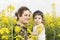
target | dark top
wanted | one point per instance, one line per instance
(23, 32)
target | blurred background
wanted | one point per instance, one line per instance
(43, 5)
(50, 8)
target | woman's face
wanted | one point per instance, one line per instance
(37, 19)
(25, 17)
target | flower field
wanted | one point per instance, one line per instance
(51, 23)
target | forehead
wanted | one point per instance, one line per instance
(26, 12)
(37, 15)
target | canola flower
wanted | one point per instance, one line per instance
(39, 28)
(57, 20)
(14, 20)
(18, 37)
(2, 12)
(51, 25)
(3, 30)
(29, 31)
(32, 37)
(4, 37)
(53, 5)
(48, 18)
(58, 35)
(2, 15)
(10, 8)
(17, 29)
(5, 19)
(49, 21)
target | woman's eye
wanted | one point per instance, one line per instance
(25, 15)
(29, 15)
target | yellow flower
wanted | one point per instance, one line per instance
(59, 35)
(19, 36)
(58, 23)
(57, 20)
(29, 31)
(51, 25)
(10, 8)
(2, 15)
(17, 39)
(3, 11)
(33, 37)
(53, 13)
(53, 5)
(39, 28)
(14, 20)
(1, 31)
(48, 18)
(4, 37)
(4, 30)
(17, 29)
(7, 30)
(4, 19)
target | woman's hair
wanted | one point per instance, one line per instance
(38, 13)
(20, 11)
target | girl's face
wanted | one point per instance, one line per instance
(25, 17)
(37, 19)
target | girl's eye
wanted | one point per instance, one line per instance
(35, 18)
(39, 18)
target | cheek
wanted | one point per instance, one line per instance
(35, 21)
(40, 20)
(23, 17)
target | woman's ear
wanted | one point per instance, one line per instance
(18, 16)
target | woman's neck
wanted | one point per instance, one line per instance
(20, 23)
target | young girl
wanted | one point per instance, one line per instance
(38, 28)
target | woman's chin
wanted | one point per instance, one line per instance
(25, 22)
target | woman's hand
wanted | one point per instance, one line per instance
(34, 33)
(30, 39)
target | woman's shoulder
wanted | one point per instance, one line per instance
(16, 25)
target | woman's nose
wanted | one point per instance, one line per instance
(28, 18)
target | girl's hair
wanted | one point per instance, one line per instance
(20, 11)
(38, 13)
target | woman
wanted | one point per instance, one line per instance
(23, 16)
